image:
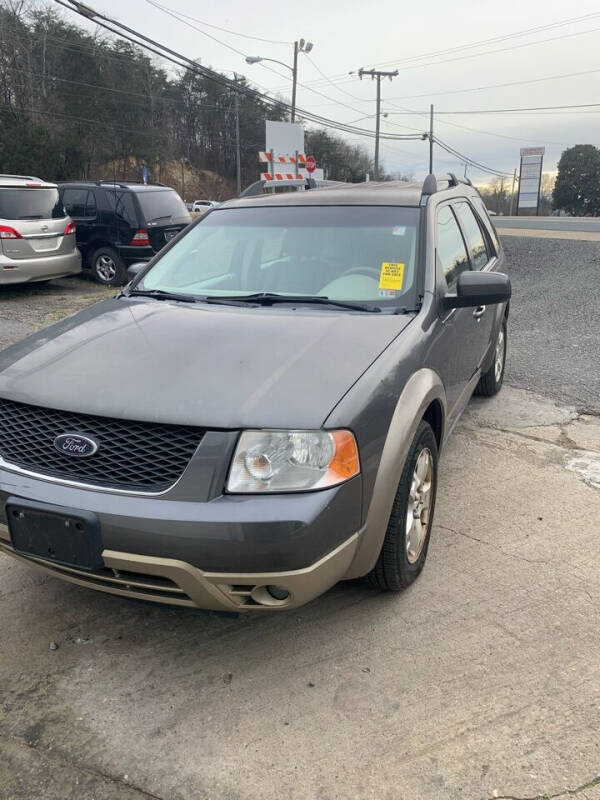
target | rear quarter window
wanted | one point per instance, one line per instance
(30, 203)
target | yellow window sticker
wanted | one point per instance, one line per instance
(391, 275)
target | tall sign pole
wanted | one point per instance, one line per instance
(377, 75)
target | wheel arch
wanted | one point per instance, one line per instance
(97, 244)
(423, 397)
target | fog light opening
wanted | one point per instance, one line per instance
(271, 595)
(278, 592)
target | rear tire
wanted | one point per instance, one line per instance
(491, 381)
(406, 542)
(107, 267)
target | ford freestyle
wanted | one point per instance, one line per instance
(259, 413)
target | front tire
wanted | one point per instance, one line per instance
(107, 267)
(491, 381)
(407, 537)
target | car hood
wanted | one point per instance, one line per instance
(207, 365)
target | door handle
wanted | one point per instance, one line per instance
(479, 312)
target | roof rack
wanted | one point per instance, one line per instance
(432, 182)
(123, 184)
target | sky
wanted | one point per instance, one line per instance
(555, 66)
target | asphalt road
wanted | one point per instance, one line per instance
(590, 224)
(554, 324)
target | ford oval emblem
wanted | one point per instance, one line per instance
(73, 444)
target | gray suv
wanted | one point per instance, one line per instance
(37, 238)
(259, 413)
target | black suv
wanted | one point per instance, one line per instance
(119, 223)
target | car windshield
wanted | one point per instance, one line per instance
(30, 203)
(347, 253)
(159, 204)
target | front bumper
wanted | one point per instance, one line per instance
(42, 268)
(220, 553)
(173, 582)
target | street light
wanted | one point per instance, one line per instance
(300, 46)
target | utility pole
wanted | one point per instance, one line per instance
(431, 139)
(377, 75)
(238, 165)
(294, 82)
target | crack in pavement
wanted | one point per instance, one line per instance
(564, 793)
(492, 545)
(98, 773)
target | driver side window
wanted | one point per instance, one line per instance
(451, 250)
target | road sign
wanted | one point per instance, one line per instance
(284, 138)
(530, 177)
(311, 164)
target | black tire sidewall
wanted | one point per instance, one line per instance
(423, 438)
(120, 277)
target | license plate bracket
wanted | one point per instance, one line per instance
(60, 535)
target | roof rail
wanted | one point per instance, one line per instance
(22, 177)
(432, 182)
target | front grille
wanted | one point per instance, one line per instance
(136, 456)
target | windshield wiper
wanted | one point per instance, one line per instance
(160, 294)
(269, 298)
(164, 216)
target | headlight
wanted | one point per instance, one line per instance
(292, 461)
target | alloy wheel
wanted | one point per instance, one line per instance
(419, 505)
(106, 268)
(499, 357)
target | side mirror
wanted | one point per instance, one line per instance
(479, 289)
(133, 269)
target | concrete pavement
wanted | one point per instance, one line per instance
(481, 681)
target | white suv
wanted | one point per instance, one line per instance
(37, 238)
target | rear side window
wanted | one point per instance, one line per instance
(161, 205)
(32, 203)
(79, 203)
(474, 235)
(451, 249)
(123, 205)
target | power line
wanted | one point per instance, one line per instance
(265, 66)
(174, 57)
(226, 30)
(487, 52)
(449, 149)
(498, 85)
(504, 110)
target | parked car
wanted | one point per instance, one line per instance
(121, 223)
(204, 205)
(37, 238)
(259, 413)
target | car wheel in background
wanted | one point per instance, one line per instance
(491, 381)
(406, 540)
(107, 267)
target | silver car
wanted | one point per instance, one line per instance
(37, 238)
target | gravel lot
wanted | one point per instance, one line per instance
(25, 308)
(554, 328)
